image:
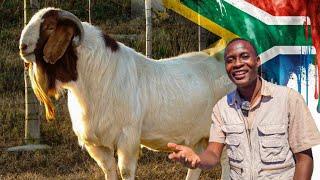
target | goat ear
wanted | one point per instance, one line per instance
(58, 43)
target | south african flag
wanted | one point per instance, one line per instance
(286, 34)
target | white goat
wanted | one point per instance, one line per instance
(118, 98)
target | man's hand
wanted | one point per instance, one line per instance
(206, 160)
(184, 155)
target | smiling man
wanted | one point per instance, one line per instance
(267, 129)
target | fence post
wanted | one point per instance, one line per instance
(201, 34)
(201, 38)
(148, 28)
(32, 108)
(89, 11)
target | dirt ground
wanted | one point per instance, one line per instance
(66, 160)
(70, 162)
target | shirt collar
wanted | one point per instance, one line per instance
(266, 90)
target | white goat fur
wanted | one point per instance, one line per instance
(122, 99)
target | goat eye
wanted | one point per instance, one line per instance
(49, 28)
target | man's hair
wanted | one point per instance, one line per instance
(242, 39)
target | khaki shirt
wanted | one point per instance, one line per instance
(278, 125)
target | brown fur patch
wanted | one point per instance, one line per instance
(58, 43)
(65, 69)
(110, 42)
(44, 75)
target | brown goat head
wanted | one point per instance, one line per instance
(48, 44)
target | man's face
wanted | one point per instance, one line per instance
(241, 63)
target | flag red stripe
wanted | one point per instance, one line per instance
(309, 8)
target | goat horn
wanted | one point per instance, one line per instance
(67, 15)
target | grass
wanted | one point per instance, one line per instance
(66, 160)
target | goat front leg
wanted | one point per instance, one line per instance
(128, 153)
(194, 174)
(105, 159)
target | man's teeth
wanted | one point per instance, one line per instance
(240, 73)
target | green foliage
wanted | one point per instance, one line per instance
(101, 12)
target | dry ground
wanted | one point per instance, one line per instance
(65, 159)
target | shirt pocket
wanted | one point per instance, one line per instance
(234, 135)
(236, 172)
(273, 143)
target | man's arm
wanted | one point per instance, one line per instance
(303, 134)
(206, 160)
(304, 165)
(211, 156)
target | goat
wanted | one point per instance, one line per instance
(118, 98)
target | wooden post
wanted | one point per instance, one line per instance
(25, 13)
(90, 11)
(137, 8)
(32, 120)
(148, 28)
(32, 108)
(201, 34)
(34, 6)
(201, 38)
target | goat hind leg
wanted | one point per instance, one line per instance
(105, 159)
